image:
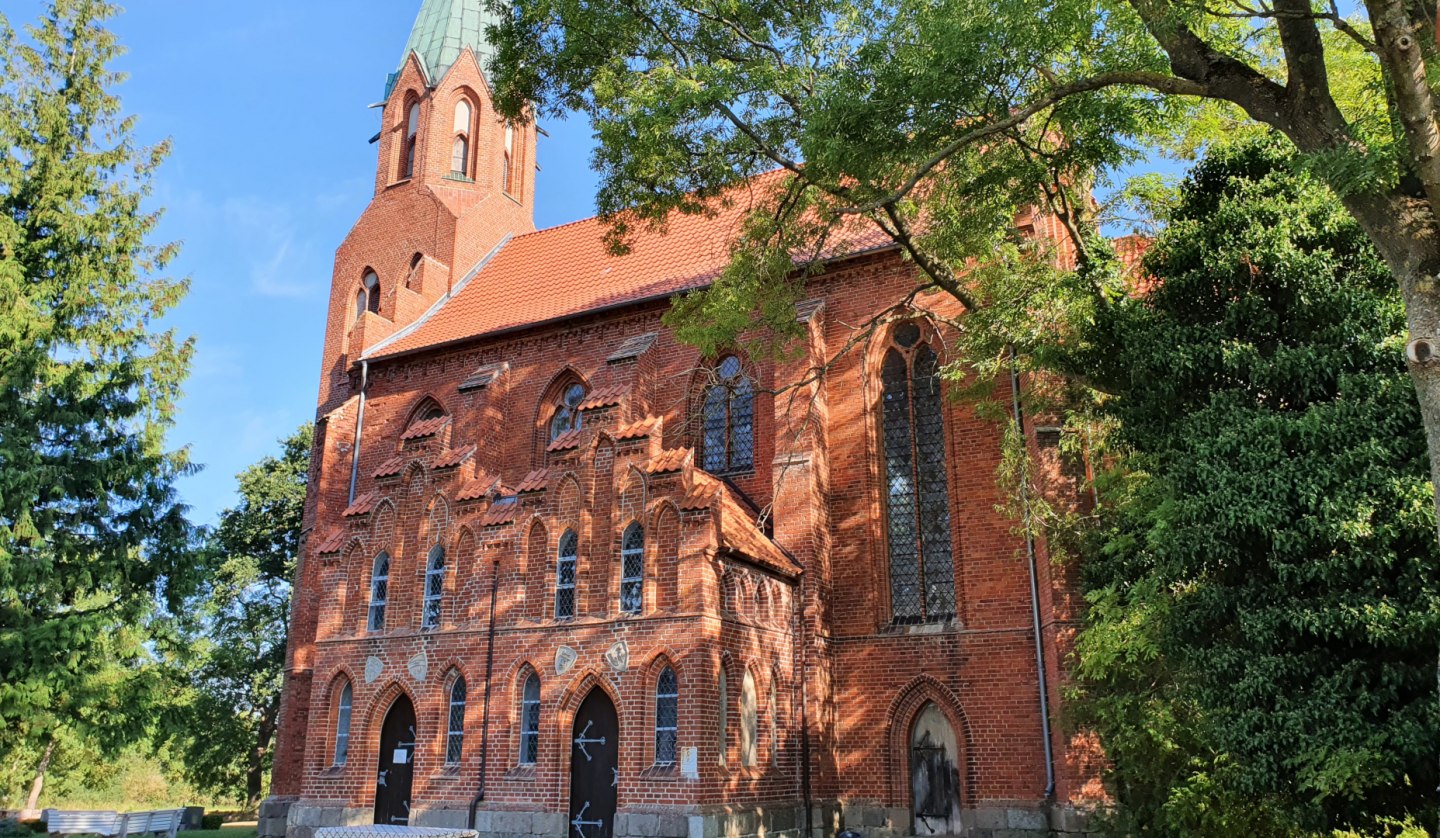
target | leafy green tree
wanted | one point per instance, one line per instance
(233, 649)
(973, 108)
(92, 537)
(1259, 654)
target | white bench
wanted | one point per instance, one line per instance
(114, 824)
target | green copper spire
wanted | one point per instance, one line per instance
(442, 30)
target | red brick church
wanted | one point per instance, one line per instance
(564, 576)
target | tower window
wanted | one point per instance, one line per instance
(917, 495)
(530, 721)
(412, 133)
(507, 176)
(342, 724)
(632, 577)
(434, 587)
(379, 591)
(728, 420)
(368, 297)
(460, 150)
(567, 412)
(667, 717)
(455, 734)
(565, 575)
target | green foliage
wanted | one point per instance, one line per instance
(212, 821)
(92, 536)
(231, 652)
(1259, 655)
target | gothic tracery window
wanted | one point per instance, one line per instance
(455, 732)
(632, 577)
(917, 495)
(667, 717)
(434, 587)
(530, 720)
(379, 591)
(567, 413)
(368, 297)
(728, 420)
(565, 575)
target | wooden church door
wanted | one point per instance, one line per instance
(397, 764)
(594, 767)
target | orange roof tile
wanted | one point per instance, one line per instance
(389, 468)
(331, 544)
(451, 459)
(648, 426)
(605, 397)
(503, 511)
(429, 427)
(535, 481)
(477, 488)
(567, 270)
(362, 505)
(566, 441)
(668, 461)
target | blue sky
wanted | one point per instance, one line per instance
(266, 102)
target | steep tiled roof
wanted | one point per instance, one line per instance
(566, 441)
(565, 271)
(363, 505)
(503, 511)
(429, 427)
(535, 481)
(668, 461)
(477, 488)
(605, 396)
(389, 468)
(332, 544)
(454, 458)
(638, 430)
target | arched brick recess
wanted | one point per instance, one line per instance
(923, 690)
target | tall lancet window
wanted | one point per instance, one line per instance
(507, 177)
(460, 150)
(728, 420)
(632, 571)
(917, 494)
(412, 133)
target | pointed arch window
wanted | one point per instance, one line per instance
(917, 494)
(412, 134)
(728, 420)
(566, 417)
(565, 575)
(530, 720)
(368, 297)
(343, 710)
(460, 149)
(667, 717)
(632, 577)
(379, 591)
(455, 733)
(434, 588)
(507, 175)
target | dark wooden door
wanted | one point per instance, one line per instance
(397, 764)
(594, 767)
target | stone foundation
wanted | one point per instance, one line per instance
(290, 818)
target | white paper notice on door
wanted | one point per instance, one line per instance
(402, 756)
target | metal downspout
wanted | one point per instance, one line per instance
(485, 711)
(359, 423)
(1034, 590)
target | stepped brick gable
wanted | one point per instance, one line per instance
(546, 544)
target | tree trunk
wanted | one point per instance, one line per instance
(255, 761)
(38, 784)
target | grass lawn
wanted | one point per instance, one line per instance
(229, 830)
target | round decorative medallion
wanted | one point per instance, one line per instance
(618, 656)
(565, 659)
(373, 667)
(419, 667)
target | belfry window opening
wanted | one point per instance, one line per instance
(460, 149)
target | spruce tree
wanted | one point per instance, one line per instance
(92, 537)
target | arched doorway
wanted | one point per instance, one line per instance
(397, 764)
(594, 767)
(934, 774)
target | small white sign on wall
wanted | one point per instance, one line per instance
(690, 763)
(401, 756)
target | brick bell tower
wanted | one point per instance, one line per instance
(454, 181)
